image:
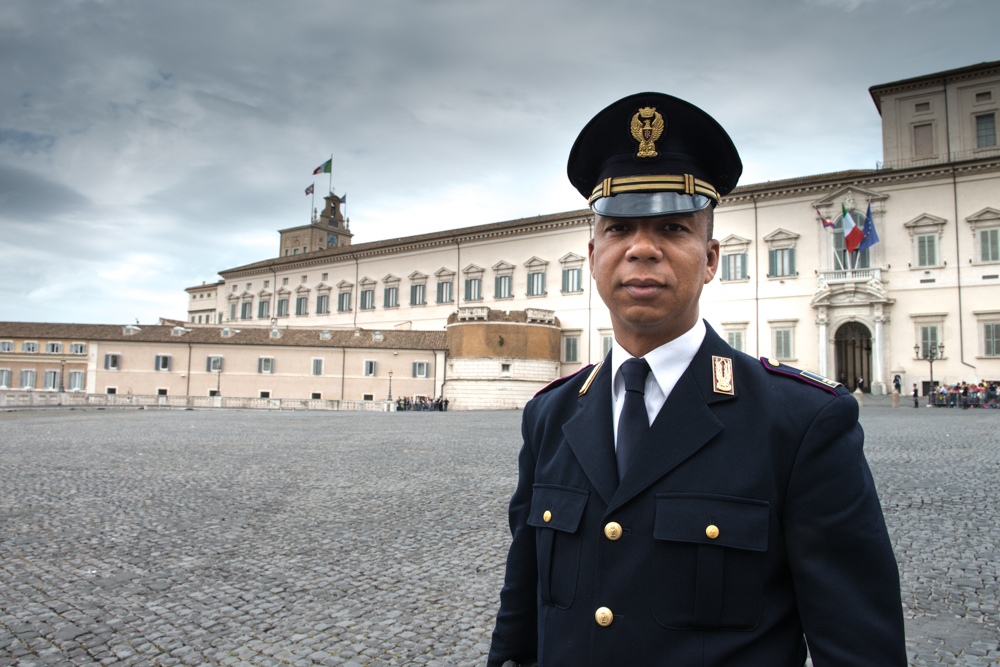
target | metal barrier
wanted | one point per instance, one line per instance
(26, 399)
(974, 399)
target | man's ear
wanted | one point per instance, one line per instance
(712, 263)
(590, 256)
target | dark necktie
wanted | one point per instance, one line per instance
(633, 422)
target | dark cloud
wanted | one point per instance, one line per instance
(28, 197)
(177, 137)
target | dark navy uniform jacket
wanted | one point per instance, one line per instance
(801, 549)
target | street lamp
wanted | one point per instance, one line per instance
(62, 374)
(933, 352)
(390, 385)
(218, 382)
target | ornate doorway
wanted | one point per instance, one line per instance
(853, 349)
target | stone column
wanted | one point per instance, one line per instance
(878, 384)
(822, 321)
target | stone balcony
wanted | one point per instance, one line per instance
(850, 276)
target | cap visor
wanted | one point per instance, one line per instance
(649, 204)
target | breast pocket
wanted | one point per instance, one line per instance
(555, 513)
(708, 561)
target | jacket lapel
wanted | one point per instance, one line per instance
(590, 434)
(683, 425)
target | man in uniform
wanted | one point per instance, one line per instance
(682, 503)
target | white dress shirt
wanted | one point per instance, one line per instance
(666, 364)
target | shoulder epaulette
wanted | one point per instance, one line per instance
(562, 381)
(775, 366)
(590, 380)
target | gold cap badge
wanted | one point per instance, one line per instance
(647, 126)
(722, 375)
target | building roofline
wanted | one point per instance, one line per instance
(869, 177)
(373, 248)
(877, 91)
(205, 286)
(391, 339)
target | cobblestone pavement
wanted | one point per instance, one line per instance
(260, 538)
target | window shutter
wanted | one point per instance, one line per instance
(107, 361)
(414, 369)
(771, 262)
(260, 365)
(468, 290)
(440, 292)
(565, 280)
(156, 364)
(168, 361)
(725, 266)
(923, 140)
(208, 364)
(385, 298)
(791, 261)
(542, 283)
(496, 287)
(743, 266)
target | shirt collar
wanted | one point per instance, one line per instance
(667, 362)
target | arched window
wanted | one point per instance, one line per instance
(856, 260)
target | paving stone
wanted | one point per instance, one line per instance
(218, 537)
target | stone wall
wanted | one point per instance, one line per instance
(480, 383)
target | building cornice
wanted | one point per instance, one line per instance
(928, 80)
(874, 178)
(414, 243)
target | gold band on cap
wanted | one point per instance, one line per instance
(684, 183)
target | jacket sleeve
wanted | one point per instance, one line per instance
(843, 569)
(516, 634)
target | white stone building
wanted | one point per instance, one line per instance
(787, 288)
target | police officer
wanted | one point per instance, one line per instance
(682, 503)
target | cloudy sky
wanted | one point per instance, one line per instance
(144, 146)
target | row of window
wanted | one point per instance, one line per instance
(213, 364)
(503, 289)
(781, 261)
(50, 379)
(31, 347)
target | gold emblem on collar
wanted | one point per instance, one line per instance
(647, 126)
(722, 375)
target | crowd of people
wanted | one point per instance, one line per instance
(421, 404)
(964, 395)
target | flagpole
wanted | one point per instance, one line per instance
(312, 206)
(331, 173)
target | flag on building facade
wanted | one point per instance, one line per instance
(324, 168)
(871, 237)
(853, 236)
(826, 223)
(311, 189)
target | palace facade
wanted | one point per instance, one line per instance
(516, 307)
(787, 287)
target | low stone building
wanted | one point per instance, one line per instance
(229, 361)
(484, 360)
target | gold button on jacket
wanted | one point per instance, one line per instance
(604, 617)
(547, 516)
(712, 532)
(613, 531)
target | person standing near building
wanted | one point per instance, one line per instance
(682, 503)
(916, 395)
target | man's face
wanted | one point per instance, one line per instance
(650, 273)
